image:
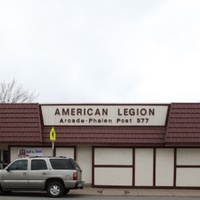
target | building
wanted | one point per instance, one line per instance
(117, 145)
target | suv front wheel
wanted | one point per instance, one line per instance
(55, 189)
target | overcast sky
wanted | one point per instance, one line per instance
(102, 51)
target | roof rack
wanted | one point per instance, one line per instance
(47, 157)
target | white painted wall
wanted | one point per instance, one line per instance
(188, 177)
(84, 159)
(47, 151)
(113, 176)
(113, 156)
(67, 152)
(144, 167)
(186, 156)
(164, 167)
(13, 153)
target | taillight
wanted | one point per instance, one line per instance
(75, 174)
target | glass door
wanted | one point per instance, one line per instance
(4, 158)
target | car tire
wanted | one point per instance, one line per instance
(55, 189)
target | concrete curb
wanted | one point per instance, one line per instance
(88, 191)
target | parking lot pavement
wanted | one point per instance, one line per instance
(136, 192)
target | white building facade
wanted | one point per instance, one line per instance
(116, 145)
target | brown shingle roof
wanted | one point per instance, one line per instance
(184, 124)
(107, 135)
(20, 123)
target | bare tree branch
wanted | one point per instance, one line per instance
(14, 93)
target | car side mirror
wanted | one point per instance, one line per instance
(8, 169)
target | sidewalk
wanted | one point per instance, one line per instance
(135, 192)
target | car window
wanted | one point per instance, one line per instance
(19, 165)
(38, 165)
(61, 164)
(75, 164)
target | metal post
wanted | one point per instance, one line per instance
(52, 148)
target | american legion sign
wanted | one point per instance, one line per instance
(104, 115)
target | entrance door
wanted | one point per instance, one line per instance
(3, 158)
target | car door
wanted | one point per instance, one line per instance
(15, 176)
(38, 173)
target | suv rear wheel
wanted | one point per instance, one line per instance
(55, 189)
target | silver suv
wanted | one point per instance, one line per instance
(56, 175)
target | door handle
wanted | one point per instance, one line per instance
(44, 173)
(24, 173)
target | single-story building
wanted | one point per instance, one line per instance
(116, 145)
